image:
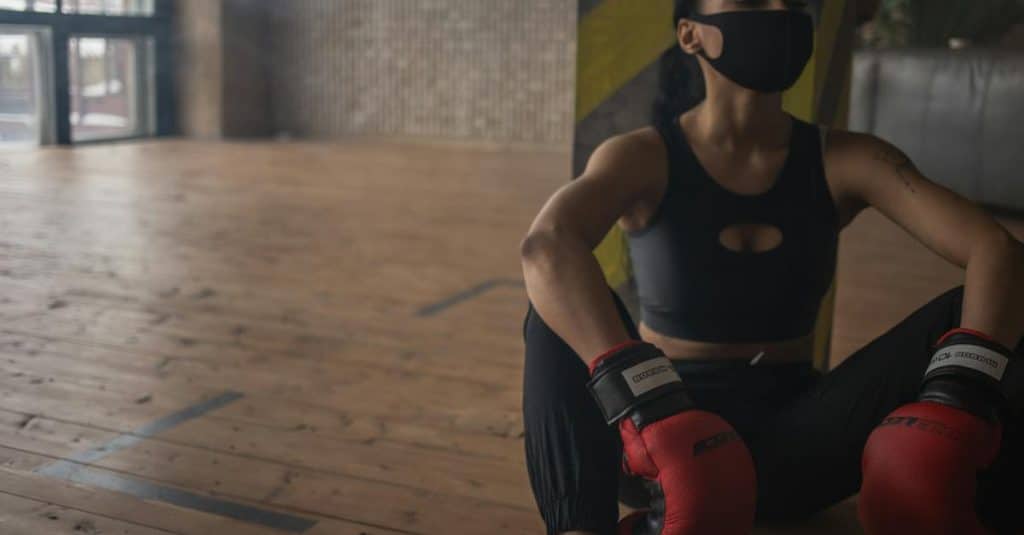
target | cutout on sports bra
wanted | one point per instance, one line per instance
(750, 238)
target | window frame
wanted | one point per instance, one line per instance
(62, 27)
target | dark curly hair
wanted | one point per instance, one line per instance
(680, 81)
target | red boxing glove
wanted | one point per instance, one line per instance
(702, 473)
(920, 465)
(920, 469)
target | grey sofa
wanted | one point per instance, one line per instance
(958, 114)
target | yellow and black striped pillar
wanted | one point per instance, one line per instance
(619, 45)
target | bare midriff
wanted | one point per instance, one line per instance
(792, 350)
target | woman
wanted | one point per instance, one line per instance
(732, 209)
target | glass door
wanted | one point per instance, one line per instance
(24, 86)
(110, 87)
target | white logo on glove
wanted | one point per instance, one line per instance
(649, 375)
(977, 358)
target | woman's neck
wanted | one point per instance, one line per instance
(742, 119)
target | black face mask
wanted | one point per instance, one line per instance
(763, 50)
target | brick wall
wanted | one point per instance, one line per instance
(246, 88)
(490, 70)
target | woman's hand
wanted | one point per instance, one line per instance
(702, 473)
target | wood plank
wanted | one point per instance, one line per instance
(449, 472)
(90, 502)
(362, 418)
(249, 479)
(24, 516)
(470, 431)
(90, 510)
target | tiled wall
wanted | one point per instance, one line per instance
(490, 70)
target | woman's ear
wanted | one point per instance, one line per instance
(689, 37)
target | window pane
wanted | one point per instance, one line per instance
(47, 6)
(109, 87)
(109, 7)
(19, 89)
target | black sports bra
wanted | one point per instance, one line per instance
(693, 287)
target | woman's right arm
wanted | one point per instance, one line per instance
(624, 178)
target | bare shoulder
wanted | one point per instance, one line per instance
(865, 161)
(859, 150)
(637, 163)
(853, 160)
(872, 170)
(637, 153)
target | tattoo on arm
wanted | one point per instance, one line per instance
(899, 163)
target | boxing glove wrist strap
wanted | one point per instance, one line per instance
(974, 372)
(637, 380)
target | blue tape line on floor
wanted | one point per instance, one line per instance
(75, 469)
(466, 295)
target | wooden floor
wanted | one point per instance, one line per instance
(296, 338)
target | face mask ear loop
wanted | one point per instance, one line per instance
(700, 19)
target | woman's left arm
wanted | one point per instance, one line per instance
(875, 173)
